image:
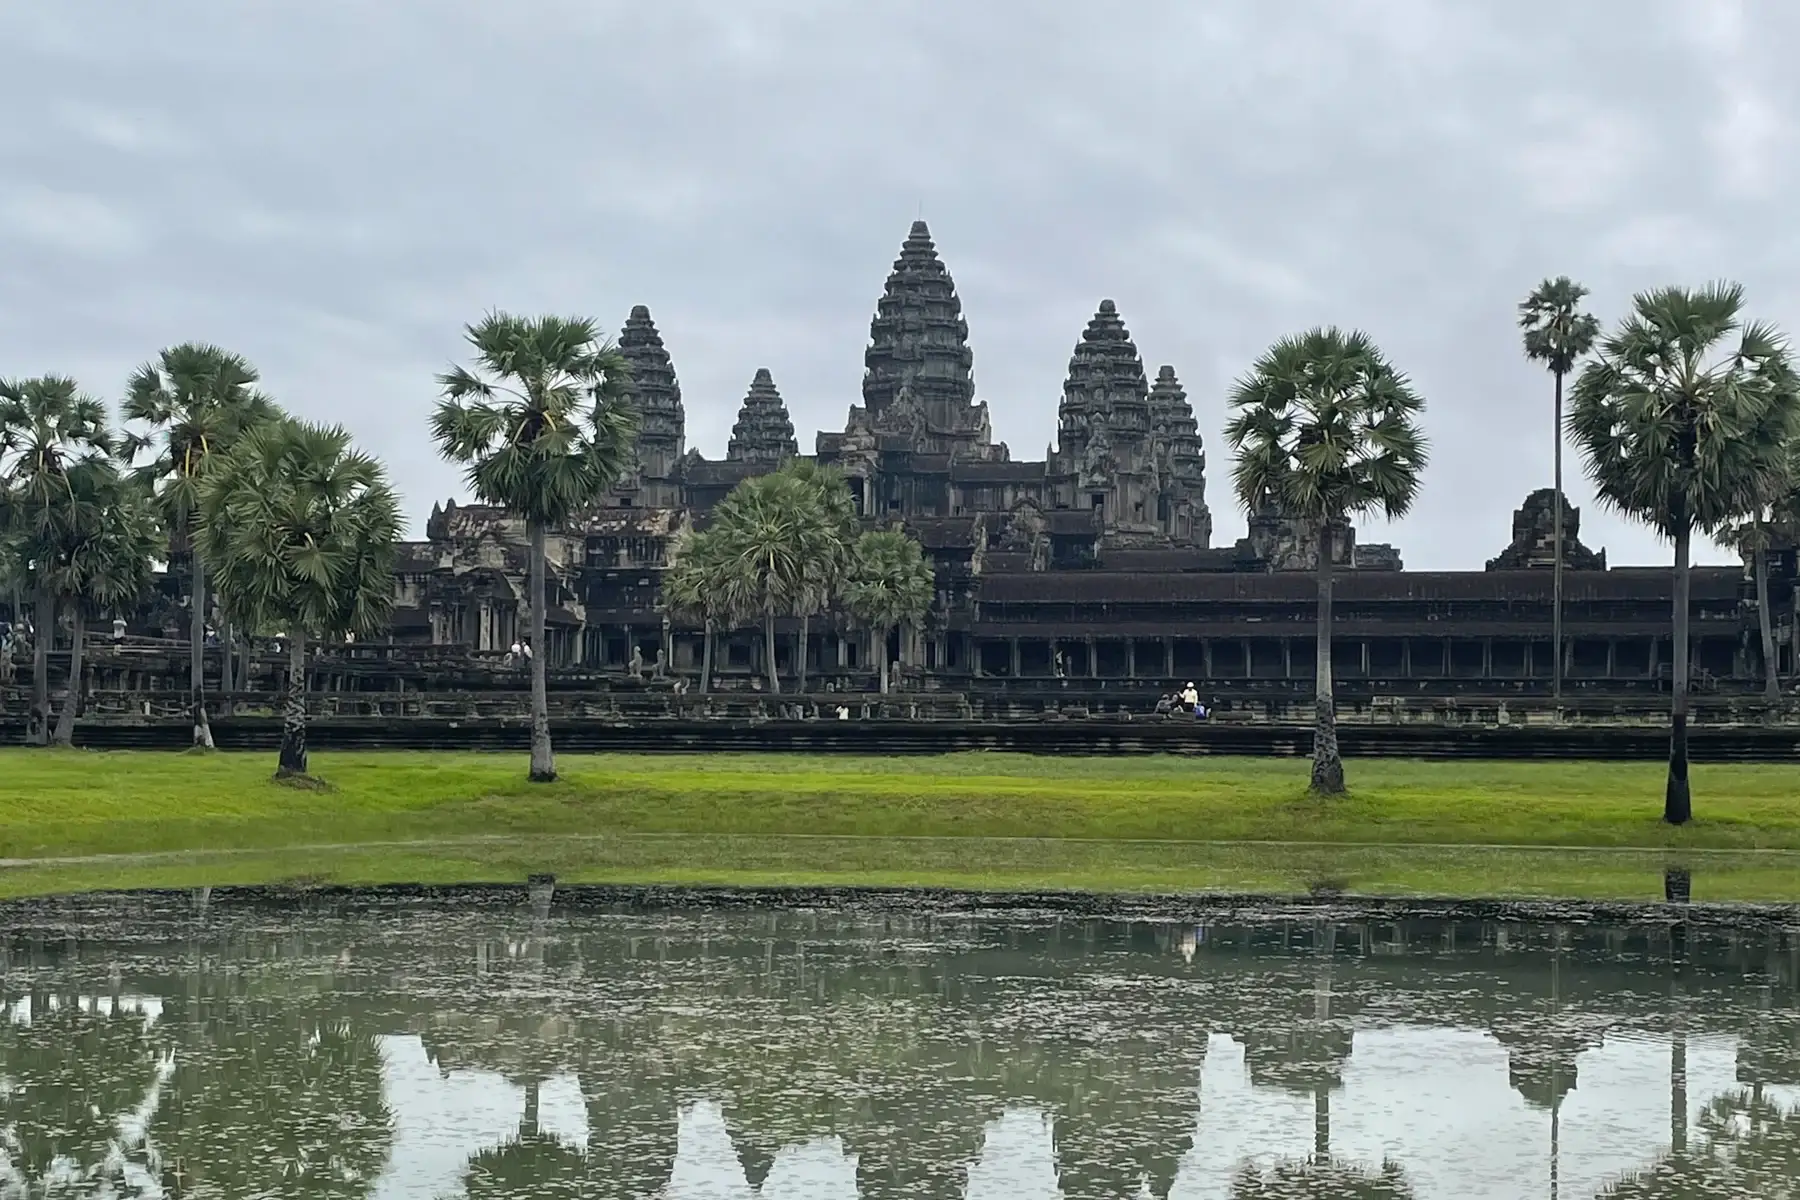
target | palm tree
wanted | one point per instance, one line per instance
(105, 563)
(1326, 428)
(773, 536)
(1751, 538)
(298, 528)
(825, 582)
(890, 584)
(1687, 427)
(542, 425)
(47, 429)
(191, 404)
(699, 586)
(1557, 334)
(1322, 1179)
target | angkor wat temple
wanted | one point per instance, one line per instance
(1088, 576)
(1093, 568)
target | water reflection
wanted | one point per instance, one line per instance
(369, 1050)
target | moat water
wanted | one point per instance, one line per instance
(385, 1050)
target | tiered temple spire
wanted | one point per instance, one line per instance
(764, 432)
(1180, 458)
(918, 369)
(1104, 452)
(656, 395)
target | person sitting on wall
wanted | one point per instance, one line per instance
(1201, 712)
(1165, 704)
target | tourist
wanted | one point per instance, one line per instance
(1190, 697)
(1165, 704)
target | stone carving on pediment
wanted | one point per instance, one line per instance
(904, 416)
(1027, 531)
(1097, 461)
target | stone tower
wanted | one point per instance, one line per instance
(918, 379)
(763, 433)
(662, 422)
(1105, 454)
(1180, 459)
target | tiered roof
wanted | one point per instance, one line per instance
(764, 432)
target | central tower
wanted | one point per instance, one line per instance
(918, 377)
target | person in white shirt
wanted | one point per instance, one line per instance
(1190, 697)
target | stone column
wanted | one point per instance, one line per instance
(1406, 671)
(1014, 644)
(1612, 657)
(1487, 658)
(1206, 660)
(1365, 658)
(1287, 658)
(1093, 662)
(1168, 662)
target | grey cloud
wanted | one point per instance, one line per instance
(335, 187)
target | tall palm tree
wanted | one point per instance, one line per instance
(1326, 428)
(699, 586)
(105, 563)
(190, 403)
(1558, 334)
(773, 536)
(542, 424)
(890, 584)
(48, 428)
(298, 529)
(825, 582)
(1686, 416)
(1751, 539)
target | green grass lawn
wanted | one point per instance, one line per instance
(970, 820)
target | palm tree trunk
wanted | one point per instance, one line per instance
(1766, 620)
(197, 651)
(1677, 803)
(1556, 578)
(769, 651)
(37, 732)
(706, 659)
(293, 717)
(800, 658)
(227, 657)
(65, 721)
(1328, 767)
(543, 761)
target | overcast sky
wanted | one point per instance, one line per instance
(333, 188)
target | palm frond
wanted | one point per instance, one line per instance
(540, 421)
(1325, 427)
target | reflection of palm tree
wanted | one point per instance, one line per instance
(532, 1164)
(67, 1107)
(1747, 1146)
(1322, 1179)
(307, 1082)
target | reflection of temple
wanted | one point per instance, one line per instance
(874, 1056)
(1095, 563)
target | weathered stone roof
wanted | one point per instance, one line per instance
(764, 432)
(1534, 537)
(1708, 583)
(975, 471)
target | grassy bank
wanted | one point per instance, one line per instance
(974, 820)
